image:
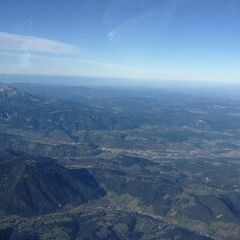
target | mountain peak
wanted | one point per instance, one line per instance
(7, 92)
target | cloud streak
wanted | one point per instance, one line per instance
(15, 42)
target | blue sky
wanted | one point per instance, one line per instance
(141, 39)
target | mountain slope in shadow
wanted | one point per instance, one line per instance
(38, 186)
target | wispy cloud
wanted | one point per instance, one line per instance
(69, 65)
(38, 64)
(112, 35)
(24, 43)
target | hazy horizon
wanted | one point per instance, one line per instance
(113, 81)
